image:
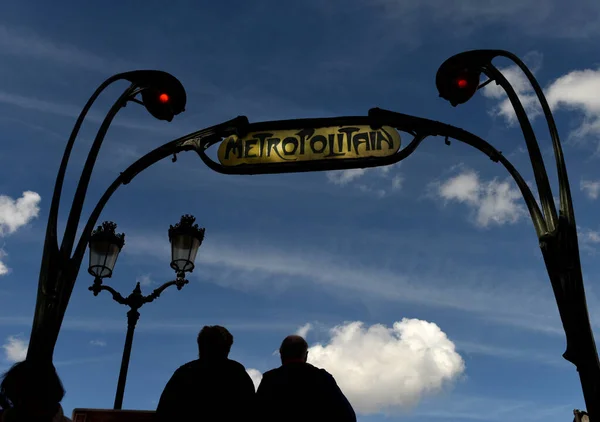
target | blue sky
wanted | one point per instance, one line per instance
(440, 239)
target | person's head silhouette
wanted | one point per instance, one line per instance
(32, 388)
(293, 349)
(214, 342)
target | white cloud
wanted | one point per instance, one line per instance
(14, 214)
(3, 268)
(352, 176)
(99, 343)
(574, 91)
(590, 236)
(521, 85)
(383, 369)
(303, 331)
(256, 376)
(589, 240)
(397, 181)
(343, 177)
(578, 90)
(145, 280)
(380, 193)
(591, 188)
(492, 202)
(15, 349)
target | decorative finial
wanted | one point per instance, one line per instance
(107, 232)
(186, 226)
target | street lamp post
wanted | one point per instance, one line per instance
(105, 246)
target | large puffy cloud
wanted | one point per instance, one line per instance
(578, 90)
(492, 202)
(383, 369)
(256, 377)
(15, 214)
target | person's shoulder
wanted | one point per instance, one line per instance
(235, 367)
(272, 372)
(191, 365)
(323, 374)
(314, 369)
(235, 364)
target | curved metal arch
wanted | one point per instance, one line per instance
(433, 128)
(184, 143)
(566, 203)
(53, 213)
(533, 148)
(86, 174)
(420, 128)
(52, 259)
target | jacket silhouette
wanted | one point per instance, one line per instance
(207, 390)
(298, 391)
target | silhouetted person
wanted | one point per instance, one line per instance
(298, 391)
(212, 388)
(32, 392)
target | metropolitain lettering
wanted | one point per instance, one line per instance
(309, 144)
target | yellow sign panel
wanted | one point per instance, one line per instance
(326, 143)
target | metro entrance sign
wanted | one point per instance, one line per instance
(309, 144)
(323, 144)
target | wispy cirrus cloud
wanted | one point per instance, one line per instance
(547, 18)
(518, 354)
(87, 360)
(236, 264)
(24, 42)
(103, 325)
(494, 409)
(589, 240)
(378, 181)
(71, 111)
